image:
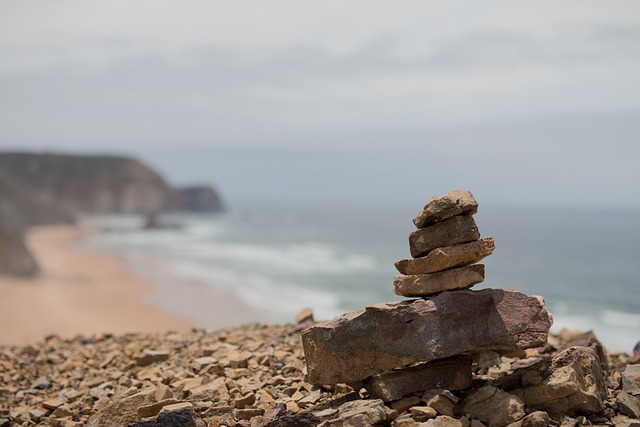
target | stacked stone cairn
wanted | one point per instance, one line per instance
(443, 248)
(401, 348)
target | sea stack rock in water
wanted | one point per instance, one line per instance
(387, 344)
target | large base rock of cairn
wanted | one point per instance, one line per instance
(391, 335)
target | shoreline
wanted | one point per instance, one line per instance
(78, 292)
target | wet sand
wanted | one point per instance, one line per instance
(78, 292)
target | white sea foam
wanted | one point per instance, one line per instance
(623, 337)
(282, 298)
(306, 258)
(620, 318)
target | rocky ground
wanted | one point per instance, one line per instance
(253, 375)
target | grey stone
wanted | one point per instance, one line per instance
(440, 208)
(628, 404)
(422, 285)
(455, 230)
(451, 374)
(448, 257)
(391, 335)
(631, 379)
(494, 406)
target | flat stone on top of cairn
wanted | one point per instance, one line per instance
(437, 209)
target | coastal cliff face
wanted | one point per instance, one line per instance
(21, 207)
(103, 184)
(39, 189)
(89, 184)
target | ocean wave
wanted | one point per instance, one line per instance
(620, 318)
(267, 294)
(305, 258)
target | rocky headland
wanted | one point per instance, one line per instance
(40, 189)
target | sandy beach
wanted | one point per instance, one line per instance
(78, 292)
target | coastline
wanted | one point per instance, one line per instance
(79, 292)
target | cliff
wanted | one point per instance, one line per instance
(20, 207)
(38, 189)
(103, 184)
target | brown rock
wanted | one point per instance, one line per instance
(52, 404)
(123, 411)
(36, 415)
(442, 421)
(448, 257)
(437, 209)
(405, 403)
(305, 315)
(493, 406)
(534, 419)
(151, 356)
(215, 391)
(177, 415)
(628, 404)
(359, 413)
(572, 384)
(244, 401)
(163, 392)
(248, 413)
(154, 408)
(348, 349)
(623, 421)
(423, 413)
(451, 374)
(422, 285)
(442, 401)
(458, 229)
(201, 362)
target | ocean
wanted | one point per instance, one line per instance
(280, 257)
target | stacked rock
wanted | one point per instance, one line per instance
(400, 348)
(443, 248)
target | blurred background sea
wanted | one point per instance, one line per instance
(337, 257)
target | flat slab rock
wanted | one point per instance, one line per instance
(422, 285)
(458, 229)
(450, 374)
(397, 334)
(448, 257)
(437, 209)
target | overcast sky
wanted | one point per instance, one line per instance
(534, 103)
